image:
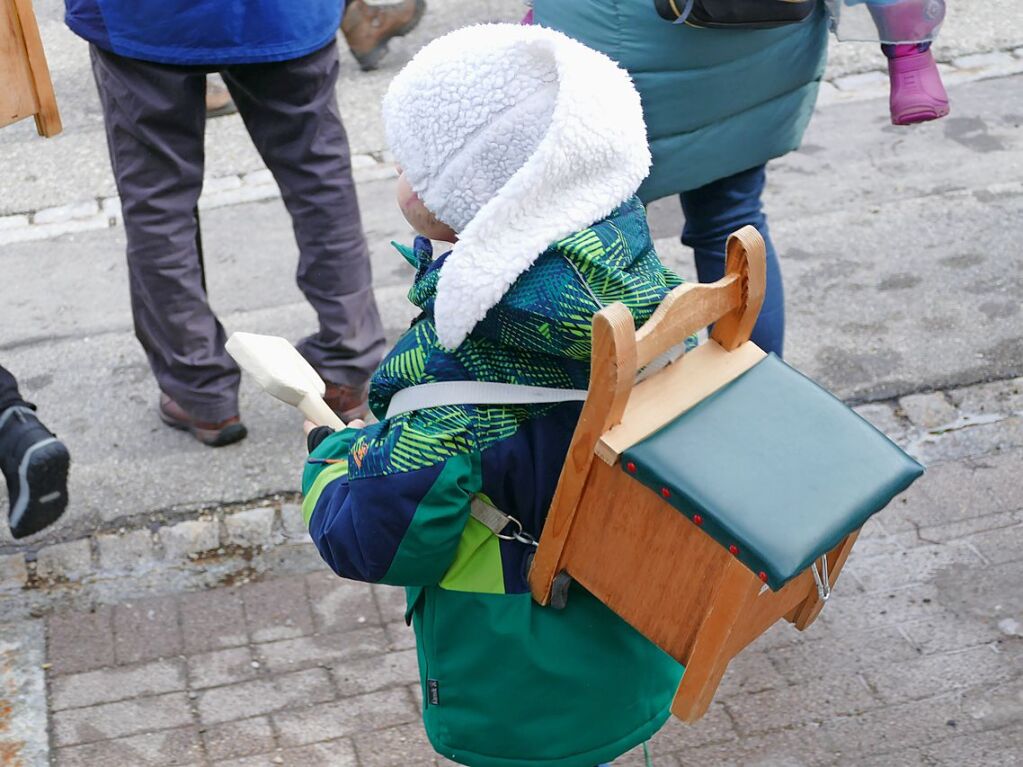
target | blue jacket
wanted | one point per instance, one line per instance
(206, 32)
(716, 101)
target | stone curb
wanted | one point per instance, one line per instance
(259, 185)
(114, 554)
(935, 427)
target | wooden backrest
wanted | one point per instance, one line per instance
(731, 304)
(25, 86)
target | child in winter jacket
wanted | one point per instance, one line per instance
(523, 148)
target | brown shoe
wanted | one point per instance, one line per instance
(212, 434)
(348, 402)
(367, 28)
(218, 98)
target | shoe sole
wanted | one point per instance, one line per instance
(370, 61)
(43, 498)
(921, 115)
(227, 436)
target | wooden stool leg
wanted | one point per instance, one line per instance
(807, 612)
(713, 648)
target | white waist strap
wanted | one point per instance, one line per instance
(477, 393)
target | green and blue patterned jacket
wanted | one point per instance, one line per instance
(506, 683)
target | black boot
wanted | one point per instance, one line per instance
(35, 464)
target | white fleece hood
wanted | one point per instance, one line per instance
(515, 136)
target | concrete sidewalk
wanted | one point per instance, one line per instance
(916, 660)
(892, 244)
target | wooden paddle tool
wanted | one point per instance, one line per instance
(283, 373)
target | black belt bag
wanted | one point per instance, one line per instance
(735, 14)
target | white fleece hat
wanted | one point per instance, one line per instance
(514, 136)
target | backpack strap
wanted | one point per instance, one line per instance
(477, 393)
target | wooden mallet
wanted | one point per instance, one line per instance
(283, 373)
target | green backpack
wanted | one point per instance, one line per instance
(735, 14)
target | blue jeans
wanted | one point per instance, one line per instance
(712, 213)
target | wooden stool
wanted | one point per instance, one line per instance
(25, 86)
(698, 502)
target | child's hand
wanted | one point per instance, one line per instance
(314, 434)
(357, 423)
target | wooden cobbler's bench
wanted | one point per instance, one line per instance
(716, 496)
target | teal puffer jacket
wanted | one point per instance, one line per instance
(716, 102)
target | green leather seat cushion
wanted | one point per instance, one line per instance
(774, 466)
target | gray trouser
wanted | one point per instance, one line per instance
(155, 120)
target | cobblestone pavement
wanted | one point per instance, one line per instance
(917, 660)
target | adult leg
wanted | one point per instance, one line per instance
(715, 211)
(290, 109)
(155, 119)
(9, 394)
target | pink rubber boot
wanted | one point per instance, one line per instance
(917, 93)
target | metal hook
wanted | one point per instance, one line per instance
(822, 579)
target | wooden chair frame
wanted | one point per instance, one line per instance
(623, 542)
(25, 86)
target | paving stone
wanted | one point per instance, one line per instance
(714, 727)
(991, 60)
(212, 619)
(901, 757)
(262, 696)
(340, 604)
(970, 442)
(853, 613)
(111, 684)
(812, 701)
(391, 601)
(368, 674)
(910, 566)
(259, 177)
(220, 184)
(748, 673)
(13, 222)
(158, 749)
(909, 725)
(403, 745)
(883, 647)
(334, 753)
(935, 674)
(81, 640)
(796, 747)
(961, 530)
(111, 208)
(13, 571)
(863, 81)
(115, 720)
(69, 560)
(219, 667)
(124, 552)
(293, 524)
(1002, 747)
(928, 411)
(997, 398)
(1000, 546)
(240, 738)
(400, 636)
(322, 649)
(64, 213)
(373, 711)
(146, 629)
(277, 609)
(883, 417)
(249, 528)
(192, 537)
(952, 492)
